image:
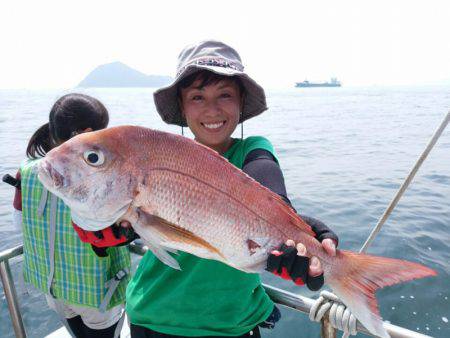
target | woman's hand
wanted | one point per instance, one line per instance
(330, 246)
(290, 262)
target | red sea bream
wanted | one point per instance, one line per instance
(180, 195)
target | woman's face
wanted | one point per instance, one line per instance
(212, 112)
(58, 142)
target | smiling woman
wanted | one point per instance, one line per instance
(211, 106)
(211, 95)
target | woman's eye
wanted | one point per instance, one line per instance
(94, 157)
(226, 95)
(197, 98)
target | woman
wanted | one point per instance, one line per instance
(211, 95)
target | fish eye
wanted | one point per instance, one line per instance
(94, 157)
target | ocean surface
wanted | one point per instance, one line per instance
(344, 153)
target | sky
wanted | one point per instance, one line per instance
(55, 44)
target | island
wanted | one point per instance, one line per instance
(118, 74)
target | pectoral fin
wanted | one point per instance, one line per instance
(175, 237)
(154, 243)
(171, 250)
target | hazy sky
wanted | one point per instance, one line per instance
(55, 44)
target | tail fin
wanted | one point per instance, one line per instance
(356, 277)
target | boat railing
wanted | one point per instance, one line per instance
(279, 296)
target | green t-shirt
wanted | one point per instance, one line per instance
(206, 298)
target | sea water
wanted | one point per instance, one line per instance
(344, 153)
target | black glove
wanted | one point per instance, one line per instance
(128, 232)
(285, 263)
(321, 230)
(121, 236)
(100, 252)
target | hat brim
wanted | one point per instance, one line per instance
(166, 99)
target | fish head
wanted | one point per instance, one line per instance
(93, 175)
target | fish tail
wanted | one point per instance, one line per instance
(356, 277)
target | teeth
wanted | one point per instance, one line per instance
(213, 125)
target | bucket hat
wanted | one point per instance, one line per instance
(217, 57)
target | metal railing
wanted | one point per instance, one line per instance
(10, 290)
(279, 296)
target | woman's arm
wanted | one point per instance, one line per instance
(290, 261)
(261, 165)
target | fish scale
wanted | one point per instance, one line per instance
(208, 214)
(178, 194)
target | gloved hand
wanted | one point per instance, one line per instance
(289, 262)
(114, 235)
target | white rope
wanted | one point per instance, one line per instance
(339, 315)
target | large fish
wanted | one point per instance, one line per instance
(180, 195)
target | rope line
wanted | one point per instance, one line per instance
(406, 183)
(339, 315)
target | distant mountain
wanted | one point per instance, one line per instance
(117, 74)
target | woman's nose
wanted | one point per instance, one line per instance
(212, 107)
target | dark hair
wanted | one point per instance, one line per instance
(72, 113)
(207, 78)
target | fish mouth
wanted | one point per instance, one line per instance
(48, 172)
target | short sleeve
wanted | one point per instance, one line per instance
(258, 142)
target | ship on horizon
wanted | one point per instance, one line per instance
(306, 84)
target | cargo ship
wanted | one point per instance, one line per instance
(306, 84)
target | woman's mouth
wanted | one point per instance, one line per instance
(213, 126)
